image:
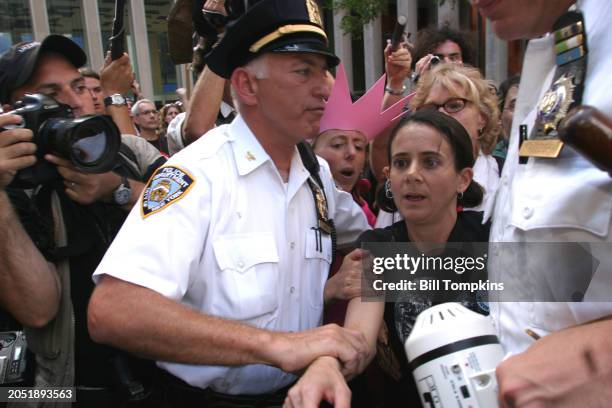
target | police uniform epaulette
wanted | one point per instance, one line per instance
(213, 142)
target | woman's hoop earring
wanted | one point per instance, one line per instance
(460, 195)
(388, 192)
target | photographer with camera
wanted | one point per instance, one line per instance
(441, 44)
(61, 206)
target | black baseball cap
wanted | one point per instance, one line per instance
(271, 26)
(17, 64)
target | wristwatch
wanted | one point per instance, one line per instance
(396, 92)
(115, 100)
(122, 194)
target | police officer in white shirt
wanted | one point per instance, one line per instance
(557, 199)
(218, 272)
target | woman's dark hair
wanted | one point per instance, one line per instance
(504, 87)
(460, 144)
(428, 39)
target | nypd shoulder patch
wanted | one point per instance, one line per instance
(168, 185)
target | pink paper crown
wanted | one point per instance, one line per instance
(364, 115)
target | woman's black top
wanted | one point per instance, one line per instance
(400, 316)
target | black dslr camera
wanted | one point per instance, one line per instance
(90, 142)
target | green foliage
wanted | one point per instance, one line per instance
(359, 12)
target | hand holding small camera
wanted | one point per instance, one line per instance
(425, 63)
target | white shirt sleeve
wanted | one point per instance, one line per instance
(162, 251)
(174, 134)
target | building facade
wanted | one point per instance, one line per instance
(363, 57)
(89, 23)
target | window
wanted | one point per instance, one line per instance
(15, 23)
(163, 70)
(66, 18)
(106, 10)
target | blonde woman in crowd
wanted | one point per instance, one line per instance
(463, 93)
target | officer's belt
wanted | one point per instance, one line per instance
(178, 393)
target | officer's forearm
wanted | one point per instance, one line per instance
(29, 285)
(146, 323)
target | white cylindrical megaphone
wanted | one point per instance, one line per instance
(453, 353)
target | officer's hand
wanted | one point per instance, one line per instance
(346, 283)
(322, 381)
(397, 64)
(16, 149)
(293, 352)
(569, 368)
(85, 188)
(116, 76)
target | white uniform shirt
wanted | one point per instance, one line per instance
(238, 244)
(560, 200)
(174, 135)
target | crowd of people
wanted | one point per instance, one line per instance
(218, 261)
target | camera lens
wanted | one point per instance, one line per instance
(89, 145)
(434, 60)
(90, 142)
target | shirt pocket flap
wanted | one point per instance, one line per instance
(579, 198)
(318, 245)
(240, 252)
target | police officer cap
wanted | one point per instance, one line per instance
(271, 26)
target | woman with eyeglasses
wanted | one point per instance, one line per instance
(462, 92)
